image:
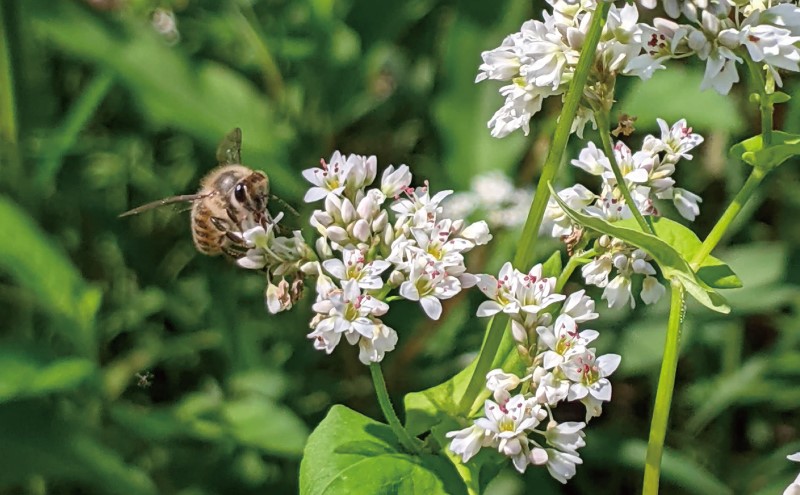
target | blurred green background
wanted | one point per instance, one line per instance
(100, 112)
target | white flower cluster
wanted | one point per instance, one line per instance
(648, 176)
(494, 197)
(364, 237)
(540, 60)
(561, 368)
(794, 488)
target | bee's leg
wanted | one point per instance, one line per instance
(220, 223)
(235, 251)
(234, 218)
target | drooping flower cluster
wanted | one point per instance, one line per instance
(648, 176)
(374, 240)
(493, 197)
(561, 367)
(539, 60)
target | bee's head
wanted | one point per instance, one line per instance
(252, 192)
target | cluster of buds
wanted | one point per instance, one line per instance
(561, 367)
(648, 176)
(539, 61)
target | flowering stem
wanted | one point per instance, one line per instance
(604, 125)
(525, 253)
(573, 263)
(409, 443)
(666, 385)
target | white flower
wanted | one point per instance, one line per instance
(618, 292)
(687, 203)
(468, 442)
(501, 383)
(328, 179)
(589, 379)
(347, 312)
(563, 341)
(523, 101)
(652, 290)
(510, 424)
(556, 223)
(596, 272)
(679, 139)
(372, 350)
(394, 181)
(428, 283)
(562, 465)
(579, 306)
(552, 388)
(566, 437)
(500, 290)
(353, 267)
(794, 488)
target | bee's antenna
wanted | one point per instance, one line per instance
(287, 205)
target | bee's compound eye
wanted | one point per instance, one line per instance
(239, 193)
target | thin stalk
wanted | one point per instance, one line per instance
(78, 116)
(602, 118)
(666, 386)
(408, 442)
(8, 109)
(525, 254)
(573, 263)
(716, 234)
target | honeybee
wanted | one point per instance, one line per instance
(230, 195)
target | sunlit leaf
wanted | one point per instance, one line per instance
(784, 146)
(350, 453)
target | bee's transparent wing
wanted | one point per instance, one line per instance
(229, 150)
(163, 202)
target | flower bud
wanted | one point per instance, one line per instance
(337, 234)
(323, 248)
(380, 222)
(396, 278)
(361, 230)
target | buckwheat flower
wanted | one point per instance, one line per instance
(589, 379)
(503, 62)
(618, 292)
(555, 221)
(353, 266)
(428, 283)
(372, 350)
(562, 465)
(567, 437)
(678, 140)
(501, 292)
(522, 102)
(327, 179)
(563, 340)
(394, 181)
(361, 172)
(468, 442)
(501, 383)
(535, 292)
(552, 387)
(771, 45)
(347, 312)
(579, 306)
(794, 488)
(510, 424)
(419, 207)
(652, 290)
(596, 272)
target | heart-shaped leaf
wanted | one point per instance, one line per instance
(752, 151)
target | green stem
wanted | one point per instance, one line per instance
(79, 114)
(603, 123)
(666, 386)
(8, 110)
(409, 443)
(716, 234)
(525, 254)
(573, 263)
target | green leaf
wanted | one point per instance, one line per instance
(350, 453)
(205, 100)
(672, 264)
(34, 262)
(712, 271)
(26, 374)
(553, 266)
(38, 442)
(266, 425)
(784, 146)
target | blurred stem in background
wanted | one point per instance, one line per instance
(8, 111)
(524, 255)
(669, 363)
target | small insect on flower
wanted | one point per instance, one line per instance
(230, 196)
(144, 379)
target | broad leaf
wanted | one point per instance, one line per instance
(26, 374)
(34, 262)
(350, 453)
(672, 264)
(266, 425)
(784, 146)
(37, 442)
(712, 271)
